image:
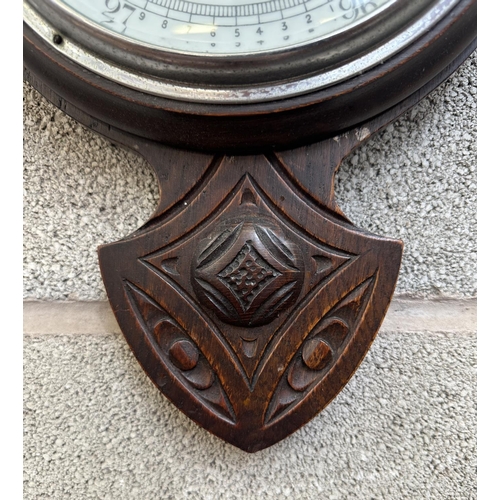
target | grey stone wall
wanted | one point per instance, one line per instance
(415, 181)
(404, 426)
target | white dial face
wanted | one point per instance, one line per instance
(227, 26)
(182, 49)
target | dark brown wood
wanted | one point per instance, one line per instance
(249, 298)
(248, 303)
(250, 366)
(251, 128)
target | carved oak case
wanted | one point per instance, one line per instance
(248, 297)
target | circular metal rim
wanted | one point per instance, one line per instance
(254, 127)
(199, 69)
(84, 31)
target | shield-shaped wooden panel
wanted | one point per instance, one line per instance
(248, 304)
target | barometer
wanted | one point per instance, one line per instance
(249, 298)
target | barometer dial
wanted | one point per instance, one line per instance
(238, 76)
(227, 26)
(232, 51)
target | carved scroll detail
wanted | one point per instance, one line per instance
(179, 354)
(319, 351)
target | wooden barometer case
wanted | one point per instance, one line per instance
(248, 298)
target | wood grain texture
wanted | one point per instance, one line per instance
(253, 127)
(249, 304)
(249, 298)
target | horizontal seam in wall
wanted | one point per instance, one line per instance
(404, 316)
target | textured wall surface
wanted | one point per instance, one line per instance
(415, 181)
(404, 426)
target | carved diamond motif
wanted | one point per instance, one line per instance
(247, 275)
(249, 308)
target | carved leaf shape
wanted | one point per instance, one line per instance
(220, 246)
(225, 309)
(182, 357)
(319, 351)
(276, 247)
(274, 303)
